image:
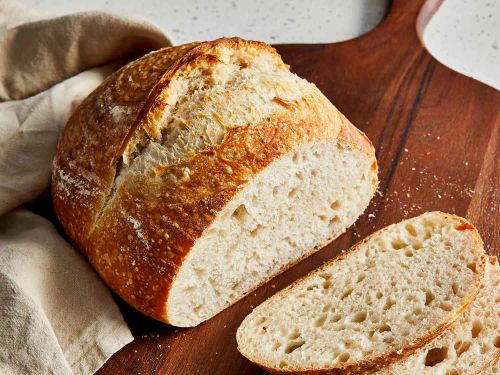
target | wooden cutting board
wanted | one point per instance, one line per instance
(436, 135)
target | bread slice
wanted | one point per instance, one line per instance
(471, 345)
(386, 297)
(198, 172)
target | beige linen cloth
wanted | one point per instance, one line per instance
(56, 315)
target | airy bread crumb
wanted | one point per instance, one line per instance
(390, 294)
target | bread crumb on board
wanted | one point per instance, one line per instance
(431, 187)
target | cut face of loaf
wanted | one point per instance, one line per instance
(387, 296)
(297, 204)
(196, 173)
(473, 343)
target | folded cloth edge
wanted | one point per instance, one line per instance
(29, 63)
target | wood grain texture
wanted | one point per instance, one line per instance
(436, 133)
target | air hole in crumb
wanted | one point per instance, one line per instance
(417, 245)
(323, 217)
(411, 229)
(327, 284)
(347, 293)
(496, 342)
(276, 346)
(243, 64)
(348, 344)
(294, 335)
(295, 157)
(429, 297)
(292, 193)
(320, 321)
(485, 348)
(299, 175)
(435, 356)
(461, 347)
(429, 223)
(241, 214)
(344, 357)
(359, 317)
(409, 253)
(379, 295)
(472, 267)
(333, 220)
(201, 272)
(384, 328)
(294, 346)
(368, 299)
(314, 172)
(335, 318)
(254, 232)
(410, 319)
(335, 205)
(477, 327)
(389, 303)
(455, 289)
(446, 306)
(388, 339)
(452, 372)
(189, 289)
(282, 364)
(397, 244)
(361, 277)
(417, 311)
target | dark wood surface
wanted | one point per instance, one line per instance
(436, 135)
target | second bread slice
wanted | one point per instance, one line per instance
(471, 345)
(379, 302)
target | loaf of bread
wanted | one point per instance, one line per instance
(471, 346)
(198, 172)
(376, 304)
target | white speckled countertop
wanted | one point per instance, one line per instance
(464, 34)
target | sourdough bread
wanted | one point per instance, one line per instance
(473, 343)
(196, 173)
(383, 299)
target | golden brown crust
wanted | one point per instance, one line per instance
(373, 364)
(137, 233)
(87, 154)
